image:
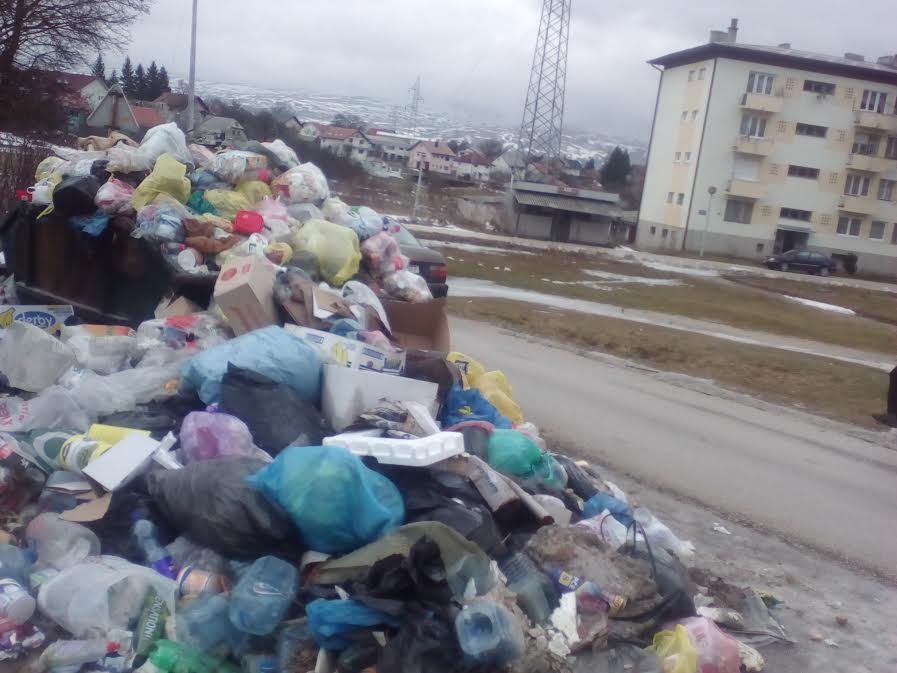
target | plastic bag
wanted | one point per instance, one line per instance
(161, 220)
(335, 248)
(330, 621)
(126, 159)
(227, 203)
(279, 253)
(47, 167)
(659, 535)
(303, 212)
(303, 184)
(361, 505)
(168, 177)
(603, 501)
(102, 354)
(31, 359)
(407, 286)
(273, 209)
(607, 528)
(271, 351)
(211, 503)
(101, 594)
(232, 165)
(470, 405)
(365, 221)
(165, 139)
(75, 196)
(202, 156)
(53, 409)
(516, 454)
(276, 414)
(114, 197)
(254, 191)
(382, 255)
(283, 152)
(98, 395)
(205, 436)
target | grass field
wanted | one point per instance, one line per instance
(834, 389)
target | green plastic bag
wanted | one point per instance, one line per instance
(199, 205)
(169, 176)
(227, 203)
(334, 246)
(516, 454)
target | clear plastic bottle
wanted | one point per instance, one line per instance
(204, 624)
(262, 596)
(154, 554)
(489, 634)
(64, 653)
(536, 595)
(14, 564)
(60, 543)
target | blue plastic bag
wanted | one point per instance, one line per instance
(470, 405)
(336, 502)
(602, 501)
(328, 621)
(271, 352)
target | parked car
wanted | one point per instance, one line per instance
(802, 260)
(427, 262)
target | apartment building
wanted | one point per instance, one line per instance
(757, 150)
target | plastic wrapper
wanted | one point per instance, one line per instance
(168, 177)
(205, 436)
(303, 184)
(202, 156)
(102, 593)
(101, 354)
(161, 220)
(114, 197)
(165, 139)
(31, 359)
(54, 409)
(334, 247)
(211, 503)
(227, 203)
(407, 286)
(254, 191)
(232, 165)
(283, 152)
(271, 351)
(382, 255)
(362, 505)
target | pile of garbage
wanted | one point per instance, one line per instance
(285, 483)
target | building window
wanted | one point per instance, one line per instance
(810, 130)
(738, 210)
(891, 148)
(877, 230)
(760, 248)
(680, 198)
(664, 233)
(678, 156)
(669, 197)
(684, 115)
(803, 172)
(653, 228)
(894, 234)
(849, 226)
(702, 73)
(795, 214)
(886, 189)
(760, 82)
(691, 75)
(753, 125)
(873, 101)
(688, 156)
(819, 87)
(694, 115)
(865, 143)
(856, 185)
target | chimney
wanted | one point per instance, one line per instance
(785, 45)
(850, 56)
(733, 31)
(436, 144)
(718, 37)
(889, 60)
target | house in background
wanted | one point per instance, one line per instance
(473, 165)
(172, 107)
(572, 168)
(309, 131)
(89, 87)
(116, 113)
(433, 156)
(220, 132)
(349, 143)
(390, 146)
(507, 162)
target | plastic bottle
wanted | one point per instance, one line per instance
(60, 543)
(154, 554)
(14, 564)
(489, 634)
(263, 595)
(536, 595)
(64, 653)
(16, 605)
(171, 657)
(204, 624)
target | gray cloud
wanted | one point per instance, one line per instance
(475, 55)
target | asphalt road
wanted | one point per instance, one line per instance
(807, 480)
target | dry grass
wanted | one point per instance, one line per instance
(711, 299)
(834, 389)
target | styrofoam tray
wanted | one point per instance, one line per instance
(410, 452)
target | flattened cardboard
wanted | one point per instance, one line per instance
(121, 462)
(349, 353)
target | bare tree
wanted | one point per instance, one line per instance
(54, 34)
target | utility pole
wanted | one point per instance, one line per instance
(416, 100)
(420, 174)
(711, 190)
(191, 87)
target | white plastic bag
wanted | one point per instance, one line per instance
(303, 184)
(98, 395)
(283, 152)
(114, 197)
(233, 165)
(607, 528)
(165, 138)
(659, 535)
(31, 359)
(126, 159)
(304, 212)
(407, 286)
(53, 409)
(101, 594)
(102, 354)
(359, 294)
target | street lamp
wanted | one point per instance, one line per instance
(711, 190)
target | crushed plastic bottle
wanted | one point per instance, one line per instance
(263, 595)
(60, 543)
(489, 634)
(72, 653)
(154, 554)
(536, 595)
(204, 624)
(14, 564)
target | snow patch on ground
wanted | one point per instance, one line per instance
(685, 270)
(472, 247)
(608, 277)
(822, 305)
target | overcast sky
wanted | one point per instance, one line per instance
(476, 55)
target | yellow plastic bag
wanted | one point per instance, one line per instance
(168, 177)
(335, 248)
(470, 368)
(254, 190)
(46, 167)
(675, 650)
(494, 386)
(227, 203)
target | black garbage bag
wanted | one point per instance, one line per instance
(276, 414)
(425, 643)
(211, 503)
(578, 479)
(75, 196)
(159, 418)
(115, 529)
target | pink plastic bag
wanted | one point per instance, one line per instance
(382, 255)
(717, 650)
(205, 436)
(202, 156)
(114, 197)
(272, 209)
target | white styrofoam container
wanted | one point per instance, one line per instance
(418, 452)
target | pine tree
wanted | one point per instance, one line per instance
(113, 78)
(163, 81)
(127, 77)
(615, 170)
(99, 68)
(140, 83)
(152, 82)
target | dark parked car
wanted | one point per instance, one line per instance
(427, 262)
(802, 260)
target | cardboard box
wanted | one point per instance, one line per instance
(122, 462)
(349, 353)
(312, 305)
(348, 392)
(245, 293)
(423, 326)
(49, 318)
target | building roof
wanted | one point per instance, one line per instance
(783, 56)
(568, 203)
(146, 117)
(72, 81)
(218, 124)
(474, 158)
(380, 137)
(73, 100)
(178, 101)
(328, 132)
(435, 147)
(511, 157)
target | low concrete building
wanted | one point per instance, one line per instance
(473, 165)
(390, 146)
(349, 143)
(433, 156)
(219, 132)
(562, 214)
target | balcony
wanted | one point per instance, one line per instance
(750, 145)
(868, 162)
(876, 121)
(747, 189)
(863, 205)
(761, 102)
